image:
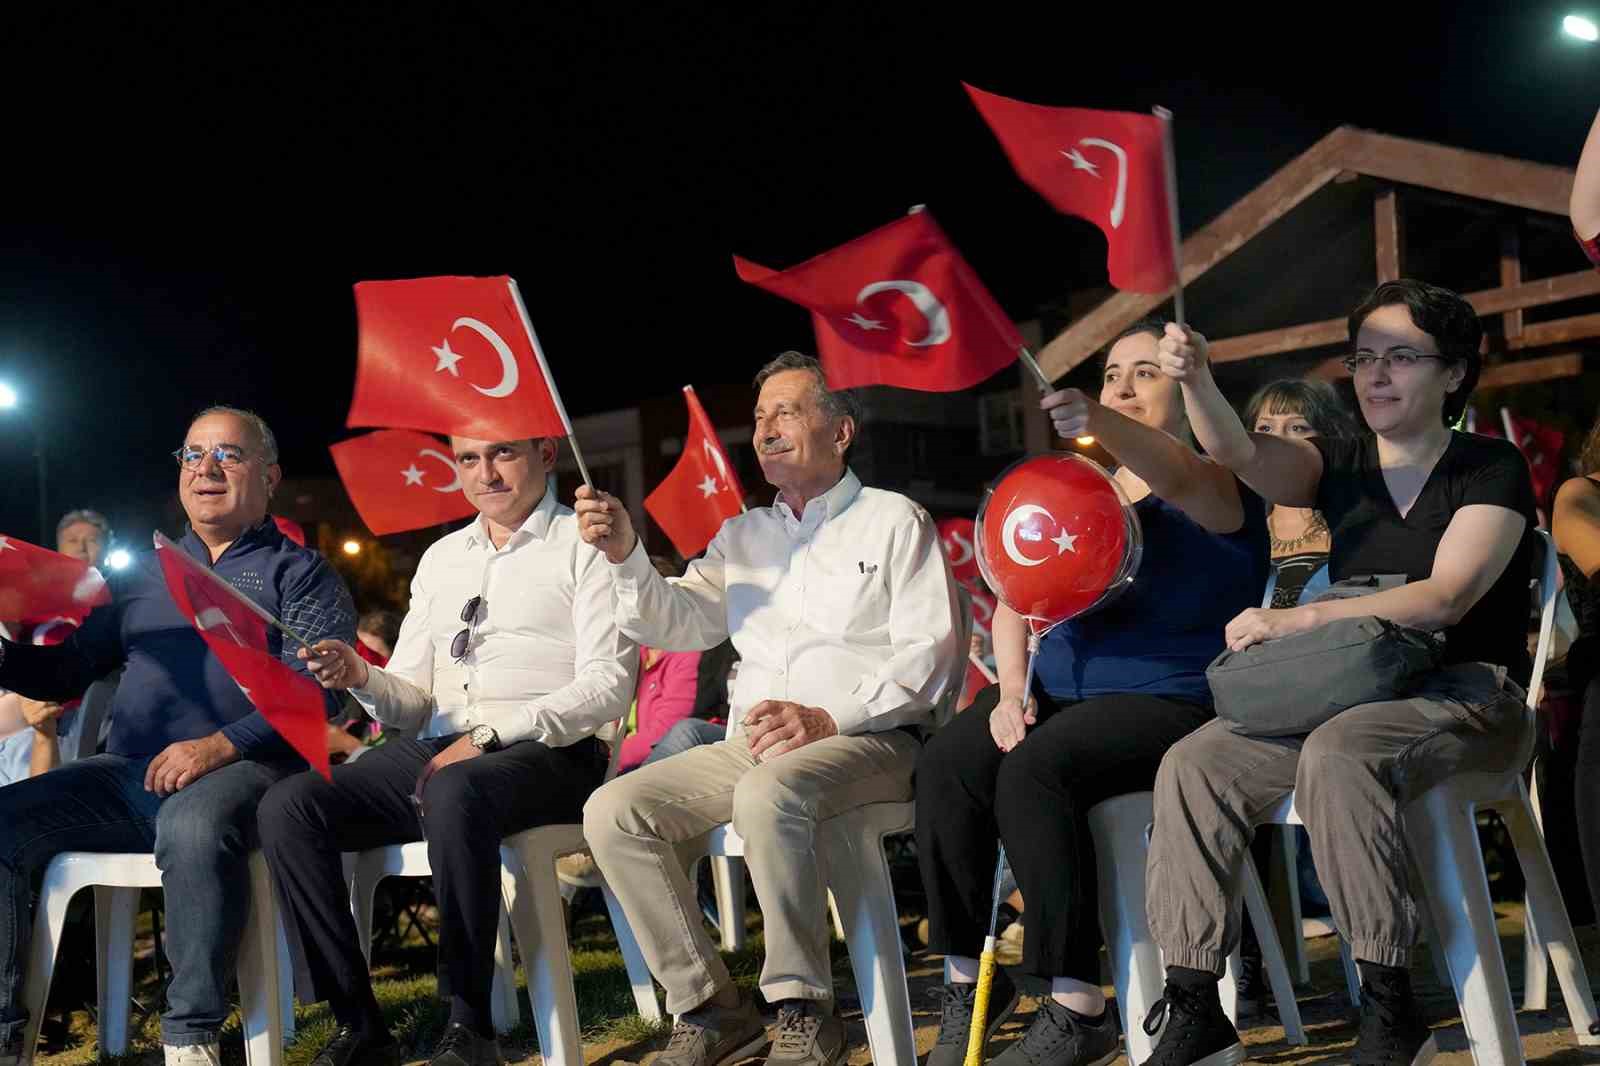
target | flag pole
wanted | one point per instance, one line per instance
(250, 605)
(708, 429)
(549, 380)
(1170, 159)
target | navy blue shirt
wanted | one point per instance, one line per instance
(174, 688)
(1159, 636)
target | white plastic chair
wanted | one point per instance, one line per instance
(1441, 828)
(531, 894)
(117, 879)
(1121, 831)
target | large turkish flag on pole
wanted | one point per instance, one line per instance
(1108, 167)
(703, 490)
(235, 629)
(400, 479)
(452, 355)
(897, 306)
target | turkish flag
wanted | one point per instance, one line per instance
(38, 585)
(976, 681)
(235, 629)
(451, 355)
(956, 535)
(1108, 167)
(898, 306)
(1541, 446)
(400, 479)
(703, 490)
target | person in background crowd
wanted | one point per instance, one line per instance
(1585, 203)
(1576, 528)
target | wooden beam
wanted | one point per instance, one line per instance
(1480, 175)
(1487, 302)
(1386, 221)
(1510, 276)
(1561, 331)
(1522, 372)
(1207, 247)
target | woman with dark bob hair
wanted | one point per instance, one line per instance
(1440, 525)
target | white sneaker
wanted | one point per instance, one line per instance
(191, 1055)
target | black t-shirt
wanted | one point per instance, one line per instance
(1369, 536)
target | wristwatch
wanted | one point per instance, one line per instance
(484, 738)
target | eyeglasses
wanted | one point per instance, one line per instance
(469, 615)
(1401, 358)
(227, 456)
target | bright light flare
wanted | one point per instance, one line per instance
(118, 559)
(352, 547)
(8, 397)
(1083, 442)
(1581, 28)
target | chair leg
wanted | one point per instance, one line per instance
(858, 874)
(114, 911)
(533, 897)
(1285, 888)
(50, 917)
(727, 875)
(260, 984)
(1272, 960)
(1443, 837)
(1352, 976)
(503, 1005)
(363, 898)
(644, 988)
(1547, 917)
(1119, 829)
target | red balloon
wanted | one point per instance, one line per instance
(1056, 537)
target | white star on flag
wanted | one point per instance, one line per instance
(708, 486)
(1079, 162)
(861, 321)
(447, 359)
(5, 546)
(1064, 542)
(412, 475)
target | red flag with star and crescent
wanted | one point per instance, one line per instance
(400, 479)
(451, 355)
(1108, 167)
(898, 306)
(39, 585)
(703, 490)
(235, 629)
(1541, 446)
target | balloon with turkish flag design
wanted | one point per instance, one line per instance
(1056, 538)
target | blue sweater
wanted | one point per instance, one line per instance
(174, 688)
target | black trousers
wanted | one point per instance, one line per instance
(1586, 774)
(1036, 798)
(307, 822)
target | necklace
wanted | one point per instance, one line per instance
(1317, 527)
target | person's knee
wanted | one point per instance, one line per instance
(608, 815)
(291, 808)
(763, 803)
(191, 835)
(452, 803)
(1328, 758)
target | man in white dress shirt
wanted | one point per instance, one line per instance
(842, 609)
(507, 664)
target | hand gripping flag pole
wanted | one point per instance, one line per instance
(986, 963)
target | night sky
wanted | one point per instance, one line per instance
(191, 191)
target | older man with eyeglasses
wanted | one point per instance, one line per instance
(507, 663)
(189, 757)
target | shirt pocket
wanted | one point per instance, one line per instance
(848, 603)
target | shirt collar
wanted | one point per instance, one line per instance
(824, 507)
(256, 535)
(534, 527)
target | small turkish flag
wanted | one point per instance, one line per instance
(956, 535)
(1108, 167)
(898, 306)
(703, 490)
(451, 355)
(37, 584)
(1541, 446)
(235, 629)
(400, 479)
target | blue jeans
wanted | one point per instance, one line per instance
(685, 734)
(202, 837)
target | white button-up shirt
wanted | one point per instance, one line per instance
(850, 607)
(544, 660)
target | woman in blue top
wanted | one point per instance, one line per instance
(1112, 692)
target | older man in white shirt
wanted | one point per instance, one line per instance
(507, 663)
(842, 609)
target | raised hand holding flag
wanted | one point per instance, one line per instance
(234, 627)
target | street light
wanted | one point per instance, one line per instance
(1582, 28)
(352, 547)
(10, 401)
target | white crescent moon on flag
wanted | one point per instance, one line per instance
(214, 618)
(1008, 532)
(962, 555)
(454, 486)
(508, 362)
(1120, 199)
(716, 461)
(937, 318)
